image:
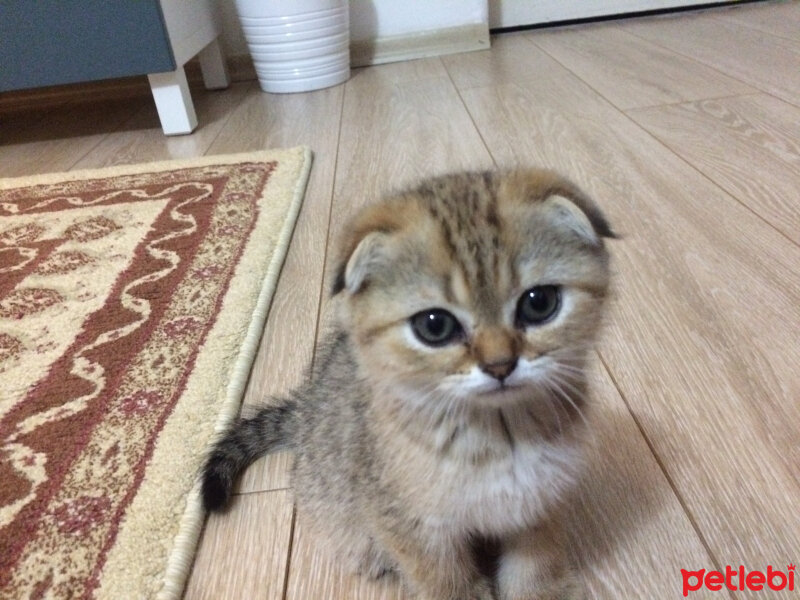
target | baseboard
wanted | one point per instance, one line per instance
(240, 68)
(73, 93)
(419, 45)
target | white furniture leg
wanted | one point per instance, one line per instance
(173, 101)
(214, 67)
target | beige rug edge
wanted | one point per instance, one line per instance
(181, 558)
(160, 568)
(167, 563)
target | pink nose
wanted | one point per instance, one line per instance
(500, 369)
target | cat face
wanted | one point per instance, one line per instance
(481, 289)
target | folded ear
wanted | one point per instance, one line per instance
(368, 255)
(365, 246)
(561, 200)
(585, 218)
(575, 210)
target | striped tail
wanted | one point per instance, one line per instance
(245, 441)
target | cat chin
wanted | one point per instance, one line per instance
(483, 396)
(500, 396)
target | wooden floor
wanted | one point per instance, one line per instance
(686, 129)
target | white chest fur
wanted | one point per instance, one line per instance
(506, 494)
(490, 484)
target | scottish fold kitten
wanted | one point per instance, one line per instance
(444, 421)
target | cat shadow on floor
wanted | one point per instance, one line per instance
(622, 492)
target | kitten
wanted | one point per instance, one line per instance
(445, 413)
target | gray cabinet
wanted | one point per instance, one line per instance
(52, 42)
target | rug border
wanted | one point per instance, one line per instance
(181, 558)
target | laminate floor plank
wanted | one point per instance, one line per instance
(252, 563)
(314, 573)
(143, 140)
(627, 529)
(287, 346)
(631, 72)
(776, 18)
(511, 58)
(58, 141)
(748, 145)
(766, 62)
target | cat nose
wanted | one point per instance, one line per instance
(500, 369)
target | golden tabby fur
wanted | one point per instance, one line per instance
(444, 421)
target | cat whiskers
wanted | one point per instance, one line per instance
(554, 410)
(573, 358)
(561, 381)
(444, 408)
(561, 365)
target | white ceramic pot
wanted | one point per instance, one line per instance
(297, 45)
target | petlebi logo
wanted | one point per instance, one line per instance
(739, 579)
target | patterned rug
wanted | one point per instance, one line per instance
(132, 301)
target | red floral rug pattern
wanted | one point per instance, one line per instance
(109, 288)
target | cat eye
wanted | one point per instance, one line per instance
(436, 327)
(538, 305)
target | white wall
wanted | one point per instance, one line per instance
(512, 13)
(371, 19)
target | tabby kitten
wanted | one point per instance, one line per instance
(445, 415)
